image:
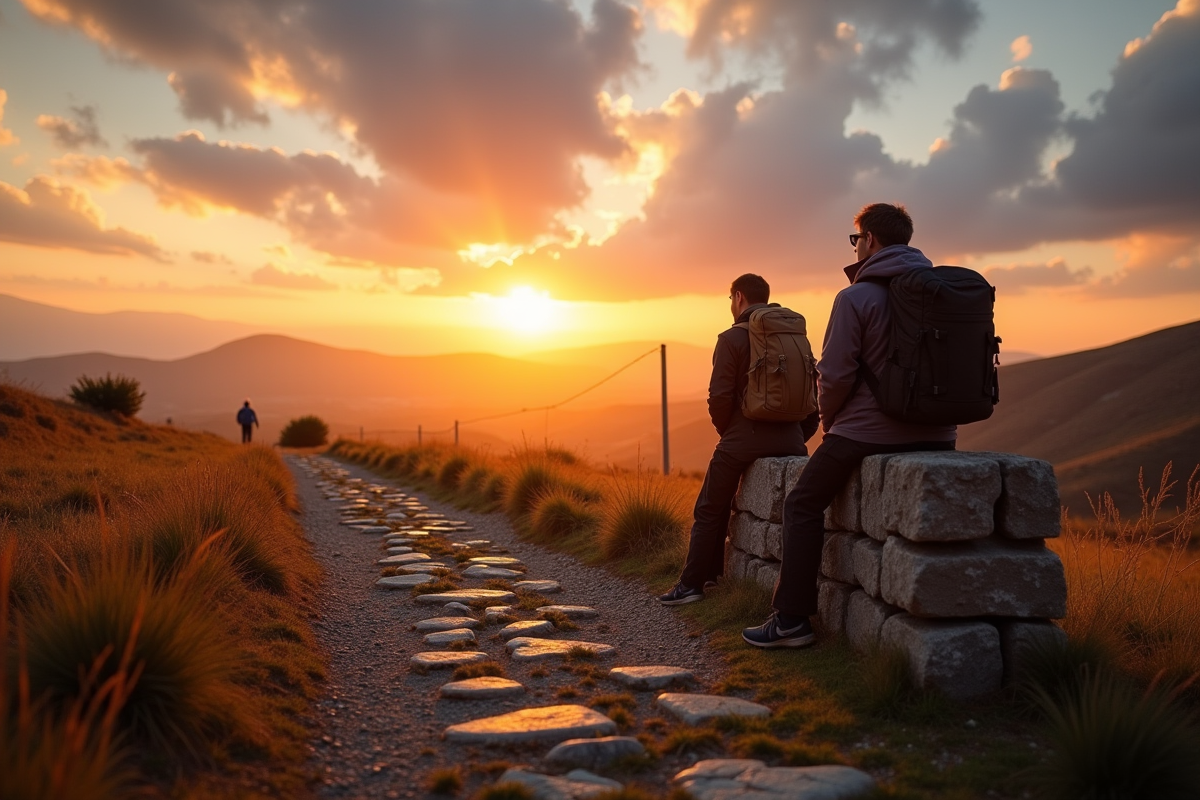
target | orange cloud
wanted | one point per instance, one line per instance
(7, 137)
(51, 214)
(1021, 48)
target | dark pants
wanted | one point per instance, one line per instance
(710, 526)
(247, 433)
(804, 515)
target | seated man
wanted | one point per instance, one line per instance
(855, 426)
(742, 442)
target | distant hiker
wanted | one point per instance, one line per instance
(247, 419)
(857, 345)
(755, 363)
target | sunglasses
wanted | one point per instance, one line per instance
(854, 237)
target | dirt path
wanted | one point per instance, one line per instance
(381, 723)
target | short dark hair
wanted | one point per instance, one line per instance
(753, 287)
(890, 224)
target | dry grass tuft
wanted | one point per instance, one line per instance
(446, 781)
(645, 516)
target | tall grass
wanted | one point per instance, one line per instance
(560, 514)
(1133, 586)
(645, 516)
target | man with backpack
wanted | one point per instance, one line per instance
(910, 351)
(762, 401)
(247, 419)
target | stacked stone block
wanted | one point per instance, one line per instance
(941, 555)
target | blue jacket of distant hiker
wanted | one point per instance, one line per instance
(246, 416)
(741, 436)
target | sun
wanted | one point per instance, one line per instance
(528, 310)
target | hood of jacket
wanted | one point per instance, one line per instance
(889, 262)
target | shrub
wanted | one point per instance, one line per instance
(1051, 669)
(560, 514)
(1109, 740)
(451, 473)
(176, 635)
(644, 517)
(119, 395)
(887, 681)
(533, 480)
(307, 431)
(445, 781)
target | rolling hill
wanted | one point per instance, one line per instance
(1100, 415)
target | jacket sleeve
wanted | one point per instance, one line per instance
(722, 386)
(838, 367)
(809, 424)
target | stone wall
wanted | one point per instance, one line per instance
(941, 555)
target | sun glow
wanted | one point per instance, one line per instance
(528, 310)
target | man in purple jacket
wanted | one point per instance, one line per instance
(854, 425)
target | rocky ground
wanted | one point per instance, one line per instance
(395, 717)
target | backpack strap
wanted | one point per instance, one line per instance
(743, 325)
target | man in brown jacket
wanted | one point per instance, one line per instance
(855, 426)
(742, 442)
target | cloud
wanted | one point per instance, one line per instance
(1018, 278)
(70, 134)
(103, 284)
(206, 257)
(1022, 48)
(7, 137)
(489, 101)
(870, 42)
(49, 214)
(271, 275)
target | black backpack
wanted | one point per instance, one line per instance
(943, 352)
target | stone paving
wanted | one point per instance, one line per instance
(454, 632)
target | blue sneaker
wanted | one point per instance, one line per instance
(770, 634)
(681, 594)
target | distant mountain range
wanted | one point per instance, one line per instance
(1098, 415)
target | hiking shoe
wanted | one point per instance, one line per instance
(769, 634)
(681, 594)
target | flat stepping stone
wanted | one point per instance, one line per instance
(541, 587)
(485, 688)
(449, 637)
(406, 558)
(493, 614)
(477, 542)
(528, 648)
(466, 595)
(372, 529)
(357, 521)
(576, 785)
(496, 561)
(422, 566)
(403, 581)
(446, 624)
(526, 627)
(692, 709)
(397, 540)
(570, 612)
(398, 550)
(442, 659)
(484, 571)
(594, 753)
(451, 609)
(727, 778)
(399, 515)
(430, 515)
(650, 677)
(548, 723)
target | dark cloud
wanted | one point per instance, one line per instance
(271, 275)
(1018, 278)
(494, 100)
(69, 134)
(50, 214)
(871, 41)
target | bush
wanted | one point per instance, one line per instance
(184, 690)
(119, 395)
(1110, 741)
(560, 514)
(450, 475)
(533, 480)
(309, 431)
(644, 517)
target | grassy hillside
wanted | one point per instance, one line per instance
(154, 622)
(1100, 415)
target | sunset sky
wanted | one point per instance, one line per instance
(510, 175)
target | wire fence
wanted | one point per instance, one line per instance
(421, 432)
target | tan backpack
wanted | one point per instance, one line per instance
(782, 385)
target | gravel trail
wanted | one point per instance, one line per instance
(380, 724)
